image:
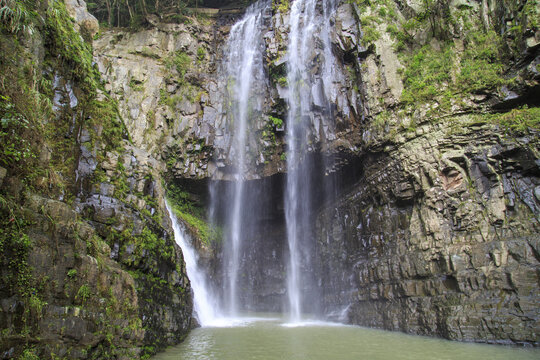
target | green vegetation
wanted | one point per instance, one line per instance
(282, 81)
(170, 101)
(181, 62)
(270, 135)
(146, 244)
(83, 293)
(281, 6)
(28, 123)
(427, 72)
(201, 54)
(67, 43)
(278, 73)
(193, 214)
(370, 34)
(277, 122)
(17, 278)
(520, 120)
(29, 354)
(375, 13)
(433, 72)
(72, 273)
(40, 153)
(15, 16)
(132, 13)
(104, 114)
(481, 65)
(136, 85)
(12, 129)
(532, 13)
(449, 57)
(39, 145)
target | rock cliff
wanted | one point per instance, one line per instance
(440, 228)
(433, 150)
(441, 234)
(434, 156)
(89, 267)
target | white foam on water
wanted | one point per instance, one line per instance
(313, 323)
(227, 322)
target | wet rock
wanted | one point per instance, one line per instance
(436, 244)
(87, 162)
(537, 193)
(347, 27)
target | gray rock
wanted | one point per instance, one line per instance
(433, 245)
(85, 22)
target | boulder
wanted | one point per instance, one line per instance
(85, 22)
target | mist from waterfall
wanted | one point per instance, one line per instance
(309, 30)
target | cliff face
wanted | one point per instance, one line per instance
(439, 233)
(170, 84)
(171, 88)
(89, 266)
(432, 228)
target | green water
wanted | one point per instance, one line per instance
(268, 339)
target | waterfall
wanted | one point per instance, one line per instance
(243, 67)
(234, 202)
(309, 31)
(204, 305)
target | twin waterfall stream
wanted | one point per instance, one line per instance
(227, 330)
(242, 67)
(243, 73)
(304, 32)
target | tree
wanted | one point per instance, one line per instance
(123, 13)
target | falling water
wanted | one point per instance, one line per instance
(243, 66)
(309, 31)
(205, 306)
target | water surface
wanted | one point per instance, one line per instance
(272, 339)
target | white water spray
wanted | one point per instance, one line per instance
(243, 66)
(307, 27)
(203, 299)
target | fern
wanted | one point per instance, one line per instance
(14, 17)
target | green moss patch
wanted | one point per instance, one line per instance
(193, 214)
